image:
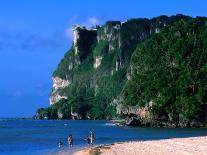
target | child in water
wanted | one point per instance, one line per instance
(87, 139)
(60, 144)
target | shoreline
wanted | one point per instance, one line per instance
(179, 146)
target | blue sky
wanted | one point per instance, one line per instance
(35, 34)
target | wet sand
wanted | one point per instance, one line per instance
(178, 146)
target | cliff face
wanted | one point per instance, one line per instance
(103, 51)
(82, 46)
(58, 84)
(95, 74)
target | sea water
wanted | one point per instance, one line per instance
(31, 137)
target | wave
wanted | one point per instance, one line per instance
(109, 124)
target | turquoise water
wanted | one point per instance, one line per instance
(31, 137)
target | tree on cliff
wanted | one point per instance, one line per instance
(170, 70)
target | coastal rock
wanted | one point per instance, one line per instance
(135, 115)
(183, 121)
(42, 114)
(132, 121)
(55, 97)
(60, 115)
(196, 123)
(142, 112)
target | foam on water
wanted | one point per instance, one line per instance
(109, 124)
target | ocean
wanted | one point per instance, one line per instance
(37, 137)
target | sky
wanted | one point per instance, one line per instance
(35, 34)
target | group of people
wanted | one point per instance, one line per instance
(89, 140)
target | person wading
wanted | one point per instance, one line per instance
(92, 137)
(87, 139)
(70, 140)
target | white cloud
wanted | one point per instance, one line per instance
(69, 33)
(71, 23)
(92, 21)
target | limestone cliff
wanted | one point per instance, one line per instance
(107, 48)
(91, 76)
(58, 83)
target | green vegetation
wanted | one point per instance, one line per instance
(62, 70)
(101, 48)
(133, 32)
(169, 69)
(85, 42)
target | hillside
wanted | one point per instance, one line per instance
(168, 75)
(142, 69)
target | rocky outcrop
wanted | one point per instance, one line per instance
(39, 116)
(97, 62)
(60, 115)
(135, 115)
(141, 116)
(133, 121)
(58, 84)
(83, 41)
(112, 34)
(42, 114)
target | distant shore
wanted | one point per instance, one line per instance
(178, 146)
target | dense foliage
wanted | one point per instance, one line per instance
(170, 70)
(167, 69)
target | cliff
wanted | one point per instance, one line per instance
(96, 76)
(167, 77)
(106, 49)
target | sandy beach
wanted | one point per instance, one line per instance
(178, 146)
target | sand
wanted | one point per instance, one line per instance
(174, 146)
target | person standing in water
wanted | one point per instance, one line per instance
(87, 139)
(92, 137)
(60, 144)
(70, 140)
